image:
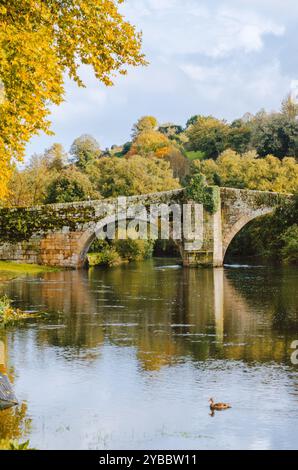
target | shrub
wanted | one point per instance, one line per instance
(134, 250)
(198, 191)
(107, 257)
(290, 248)
(9, 315)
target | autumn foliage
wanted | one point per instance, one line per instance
(40, 41)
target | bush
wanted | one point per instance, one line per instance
(198, 191)
(134, 250)
(103, 253)
(107, 257)
(290, 249)
(10, 444)
(9, 315)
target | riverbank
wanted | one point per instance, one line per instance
(10, 270)
(9, 266)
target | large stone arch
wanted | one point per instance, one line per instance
(87, 238)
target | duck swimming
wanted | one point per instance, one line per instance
(218, 406)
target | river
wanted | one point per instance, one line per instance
(128, 358)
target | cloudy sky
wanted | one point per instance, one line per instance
(220, 57)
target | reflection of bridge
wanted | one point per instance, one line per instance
(163, 314)
(61, 234)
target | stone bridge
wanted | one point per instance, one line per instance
(61, 234)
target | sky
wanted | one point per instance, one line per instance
(219, 57)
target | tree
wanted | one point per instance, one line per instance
(290, 247)
(192, 120)
(137, 175)
(178, 162)
(170, 130)
(289, 108)
(28, 187)
(69, 186)
(55, 157)
(155, 144)
(85, 150)
(209, 135)
(126, 148)
(148, 143)
(275, 134)
(6, 170)
(239, 136)
(248, 171)
(20, 189)
(40, 42)
(145, 123)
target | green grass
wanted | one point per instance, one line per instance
(10, 267)
(198, 155)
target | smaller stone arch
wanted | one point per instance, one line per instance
(241, 206)
(230, 234)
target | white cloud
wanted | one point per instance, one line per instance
(231, 90)
(188, 28)
(243, 29)
(206, 56)
(202, 74)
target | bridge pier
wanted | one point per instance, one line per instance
(209, 252)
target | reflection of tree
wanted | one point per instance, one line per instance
(168, 304)
(164, 313)
(13, 424)
(13, 421)
(258, 306)
(67, 297)
(271, 289)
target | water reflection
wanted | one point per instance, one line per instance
(13, 421)
(166, 313)
(163, 333)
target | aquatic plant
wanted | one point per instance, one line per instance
(10, 444)
(10, 315)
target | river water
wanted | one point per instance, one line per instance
(128, 357)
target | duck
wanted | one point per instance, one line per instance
(218, 406)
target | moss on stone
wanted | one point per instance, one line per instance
(20, 224)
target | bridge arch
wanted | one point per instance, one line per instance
(244, 220)
(88, 237)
